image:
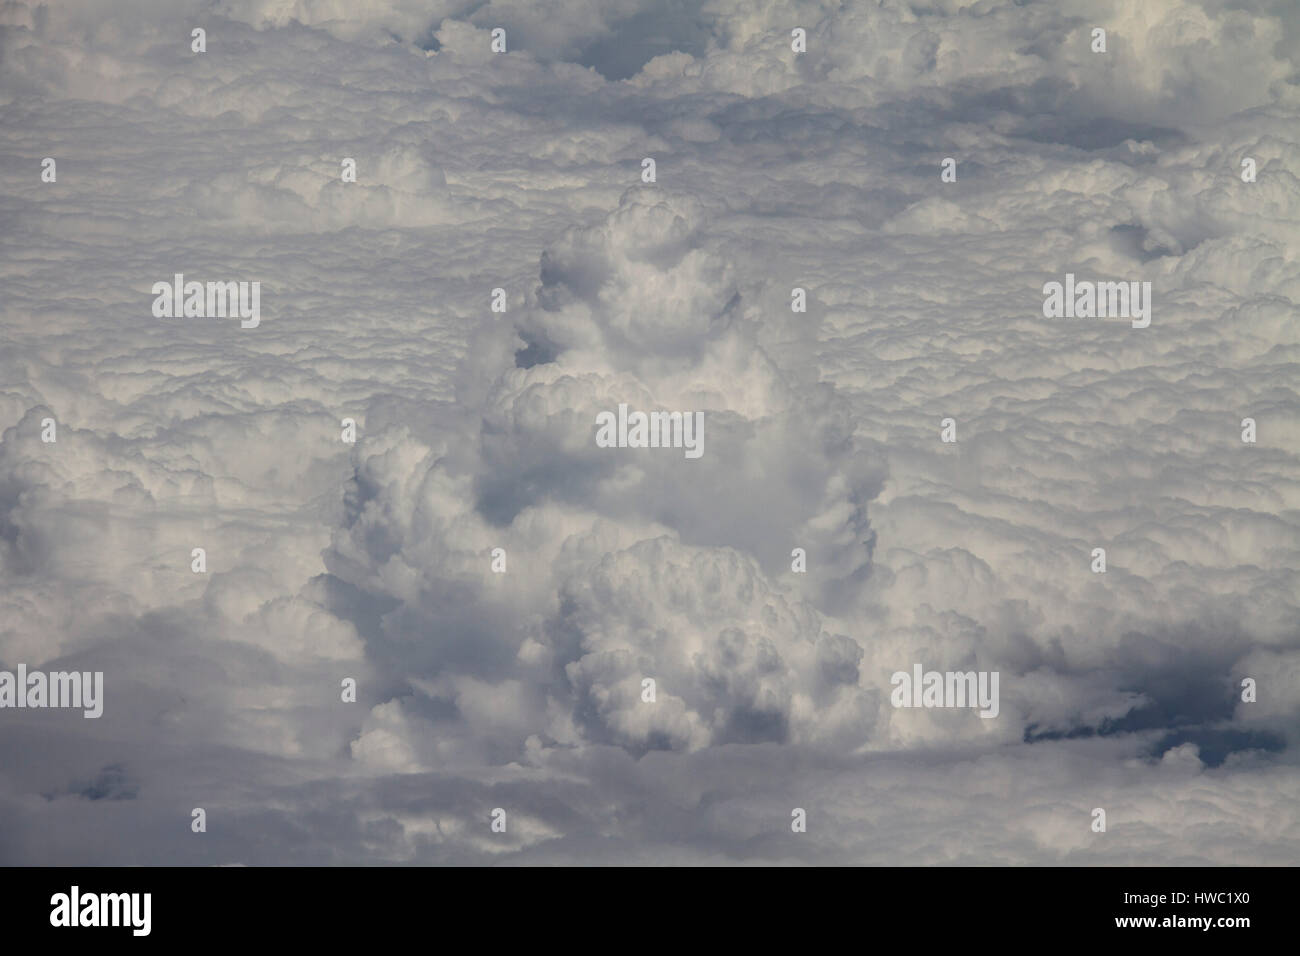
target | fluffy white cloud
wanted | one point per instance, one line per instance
(475, 431)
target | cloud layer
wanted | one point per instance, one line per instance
(525, 689)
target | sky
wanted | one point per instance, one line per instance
(516, 683)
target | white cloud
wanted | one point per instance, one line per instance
(475, 430)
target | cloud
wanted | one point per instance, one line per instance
(476, 431)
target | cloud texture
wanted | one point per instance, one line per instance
(523, 690)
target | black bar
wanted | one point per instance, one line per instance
(301, 906)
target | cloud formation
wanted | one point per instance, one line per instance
(475, 431)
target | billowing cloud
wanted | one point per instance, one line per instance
(667, 654)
